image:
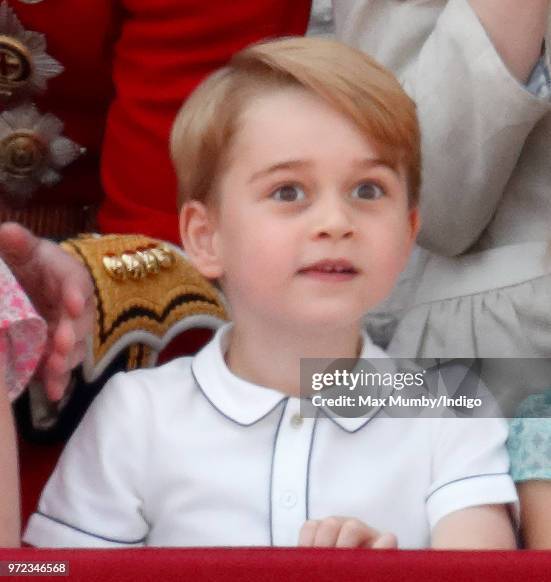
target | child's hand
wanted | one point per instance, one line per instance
(62, 292)
(343, 532)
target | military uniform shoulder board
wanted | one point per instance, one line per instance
(146, 293)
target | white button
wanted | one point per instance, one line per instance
(296, 421)
(288, 499)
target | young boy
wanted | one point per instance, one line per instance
(299, 169)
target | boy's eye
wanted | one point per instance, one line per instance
(289, 193)
(368, 191)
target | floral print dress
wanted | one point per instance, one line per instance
(22, 334)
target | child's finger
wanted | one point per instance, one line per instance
(56, 385)
(81, 323)
(307, 533)
(77, 355)
(385, 541)
(328, 532)
(356, 534)
(55, 377)
(59, 363)
(78, 293)
(64, 339)
(64, 355)
(73, 300)
(17, 244)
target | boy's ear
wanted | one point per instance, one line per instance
(199, 238)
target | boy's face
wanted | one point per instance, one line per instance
(310, 227)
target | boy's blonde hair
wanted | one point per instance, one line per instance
(346, 78)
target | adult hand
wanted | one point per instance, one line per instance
(344, 532)
(61, 290)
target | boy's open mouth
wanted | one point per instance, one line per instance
(330, 270)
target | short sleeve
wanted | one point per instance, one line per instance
(470, 466)
(95, 496)
(529, 441)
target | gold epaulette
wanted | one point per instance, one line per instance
(146, 294)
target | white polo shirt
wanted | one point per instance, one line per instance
(188, 454)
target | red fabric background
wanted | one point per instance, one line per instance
(165, 49)
(269, 564)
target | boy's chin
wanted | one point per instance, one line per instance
(325, 320)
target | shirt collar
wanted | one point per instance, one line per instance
(246, 403)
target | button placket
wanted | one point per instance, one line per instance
(289, 475)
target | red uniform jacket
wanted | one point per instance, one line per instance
(128, 67)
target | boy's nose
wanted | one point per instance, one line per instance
(334, 220)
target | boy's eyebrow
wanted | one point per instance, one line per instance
(287, 165)
(366, 163)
